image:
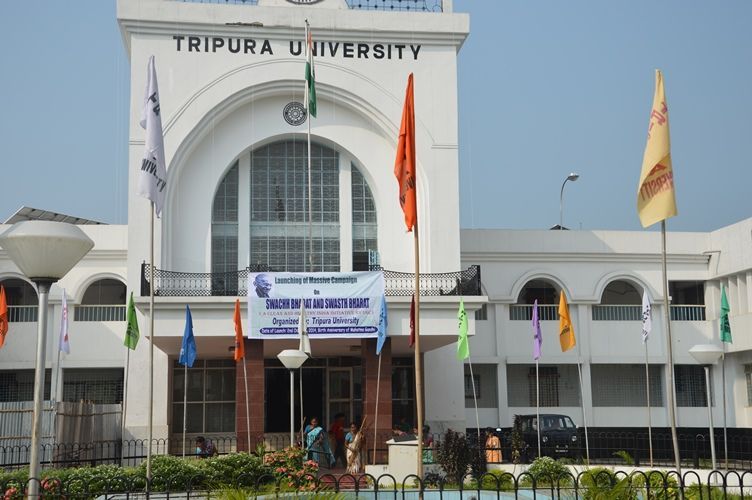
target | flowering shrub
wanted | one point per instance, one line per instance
(291, 465)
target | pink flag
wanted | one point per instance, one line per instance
(64, 343)
(537, 336)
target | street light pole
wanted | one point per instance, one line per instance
(706, 355)
(292, 359)
(571, 177)
(44, 251)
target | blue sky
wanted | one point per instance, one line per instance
(545, 88)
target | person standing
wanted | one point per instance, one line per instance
(493, 447)
(337, 431)
(353, 445)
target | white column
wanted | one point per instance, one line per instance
(244, 210)
(732, 293)
(748, 279)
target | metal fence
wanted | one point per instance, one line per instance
(616, 313)
(572, 484)
(687, 313)
(524, 312)
(235, 283)
(99, 313)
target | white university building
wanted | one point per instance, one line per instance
(233, 111)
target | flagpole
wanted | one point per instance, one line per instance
(376, 411)
(308, 135)
(475, 400)
(125, 402)
(53, 398)
(537, 406)
(669, 352)
(647, 395)
(300, 380)
(418, 361)
(185, 402)
(151, 342)
(725, 438)
(584, 417)
(247, 404)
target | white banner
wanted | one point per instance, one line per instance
(337, 305)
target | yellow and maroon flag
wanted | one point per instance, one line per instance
(404, 164)
(566, 330)
(656, 200)
(239, 346)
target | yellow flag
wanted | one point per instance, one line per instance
(656, 200)
(566, 330)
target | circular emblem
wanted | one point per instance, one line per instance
(303, 2)
(294, 113)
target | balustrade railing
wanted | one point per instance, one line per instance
(235, 283)
(687, 313)
(524, 312)
(386, 5)
(22, 314)
(612, 312)
(99, 313)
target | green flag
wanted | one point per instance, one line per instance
(725, 324)
(463, 347)
(310, 74)
(131, 330)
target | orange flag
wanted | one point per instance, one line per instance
(404, 164)
(3, 316)
(239, 346)
(566, 330)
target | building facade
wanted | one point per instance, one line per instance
(235, 128)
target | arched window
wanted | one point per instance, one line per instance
(541, 290)
(103, 300)
(620, 301)
(278, 232)
(547, 295)
(22, 300)
(621, 293)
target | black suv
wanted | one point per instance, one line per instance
(558, 435)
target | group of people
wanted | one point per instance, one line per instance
(347, 446)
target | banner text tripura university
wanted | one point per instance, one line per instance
(338, 305)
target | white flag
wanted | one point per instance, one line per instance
(64, 344)
(305, 342)
(647, 320)
(152, 179)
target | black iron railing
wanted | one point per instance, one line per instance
(235, 283)
(387, 5)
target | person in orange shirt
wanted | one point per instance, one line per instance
(493, 447)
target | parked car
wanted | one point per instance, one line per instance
(558, 435)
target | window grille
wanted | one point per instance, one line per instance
(279, 206)
(363, 214)
(469, 385)
(98, 385)
(748, 377)
(690, 386)
(559, 385)
(621, 293)
(18, 385)
(224, 232)
(617, 313)
(211, 396)
(624, 385)
(482, 313)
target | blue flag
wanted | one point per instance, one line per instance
(188, 349)
(383, 322)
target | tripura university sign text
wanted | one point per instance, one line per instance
(345, 50)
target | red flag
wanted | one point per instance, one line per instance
(239, 346)
(3, 316)
(412, 322)
(404, 164)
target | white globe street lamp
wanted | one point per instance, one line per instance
(44, 251)
(571, 177)
(706, 355)
(292, 359)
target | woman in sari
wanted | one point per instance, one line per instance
(353, 444)
(317, 444)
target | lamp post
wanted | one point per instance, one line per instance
(706, 355)
(292, 359)
(44, 251)
(571, 177)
